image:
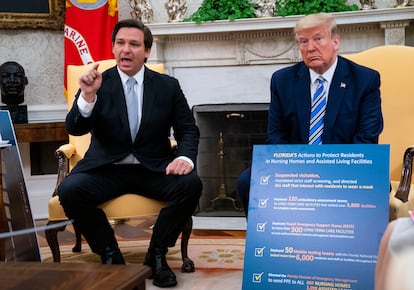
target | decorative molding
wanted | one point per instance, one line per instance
(395, 31)
(277, 23)
(267, 48)
(227, 36)
(395, 24)
(355, 28)
(46, 113)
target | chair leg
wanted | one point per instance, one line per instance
(78, 244)
(52, 240)
(188, 264)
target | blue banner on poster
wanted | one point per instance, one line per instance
(316, 216)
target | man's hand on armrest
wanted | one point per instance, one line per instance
(67, 149)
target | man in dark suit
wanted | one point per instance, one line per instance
(141, 161)
(351, 106)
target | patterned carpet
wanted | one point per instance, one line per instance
(208, 248)
(218, 254)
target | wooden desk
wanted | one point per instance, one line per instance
(69, 276)
(41, 132)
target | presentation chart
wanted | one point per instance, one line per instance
(316, 216)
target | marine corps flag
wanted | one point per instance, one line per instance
(88, 29)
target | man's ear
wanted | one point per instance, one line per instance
(25, 81)
(336, 42)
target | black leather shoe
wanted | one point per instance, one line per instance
(112, 257)
(161, 273)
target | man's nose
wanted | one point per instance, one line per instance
(311, 44)
(127, 47)
(12, 78)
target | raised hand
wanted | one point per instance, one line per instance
(90, 82)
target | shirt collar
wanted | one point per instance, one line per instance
(139, 76)
(328, 75)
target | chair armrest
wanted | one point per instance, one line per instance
(63, 153)
(406, 175)
(67, 149)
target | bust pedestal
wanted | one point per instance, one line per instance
(18, 113)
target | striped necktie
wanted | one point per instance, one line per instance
(317, 113)
(132, 106)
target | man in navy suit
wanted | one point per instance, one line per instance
(353, 109)
(143, 162)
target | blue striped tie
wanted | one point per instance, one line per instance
(317, 114)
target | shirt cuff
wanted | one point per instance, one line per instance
(187, 159)
(85, 108)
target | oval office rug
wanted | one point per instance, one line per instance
(223, 249)
(206, 252)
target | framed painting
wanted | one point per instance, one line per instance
(32, 14)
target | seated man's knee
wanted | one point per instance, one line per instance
(187, 187)
(196, 184)
(190, 182)
(70, 194)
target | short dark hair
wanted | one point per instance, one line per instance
(134, 23)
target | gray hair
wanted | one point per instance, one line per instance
(316, 19)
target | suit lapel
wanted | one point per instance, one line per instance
(116, 91)
(336, 95)
(302, 95)
(148, 97)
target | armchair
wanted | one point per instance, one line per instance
(395, 63)
(123, 207)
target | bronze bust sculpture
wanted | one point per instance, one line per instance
(12, 84)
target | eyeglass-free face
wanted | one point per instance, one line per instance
(318, 47)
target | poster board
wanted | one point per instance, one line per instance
(316, 216)
(22, 247)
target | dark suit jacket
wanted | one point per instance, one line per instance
(164, 106)
(353, 113)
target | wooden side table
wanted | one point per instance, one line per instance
(69, 276)
(40, 132)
